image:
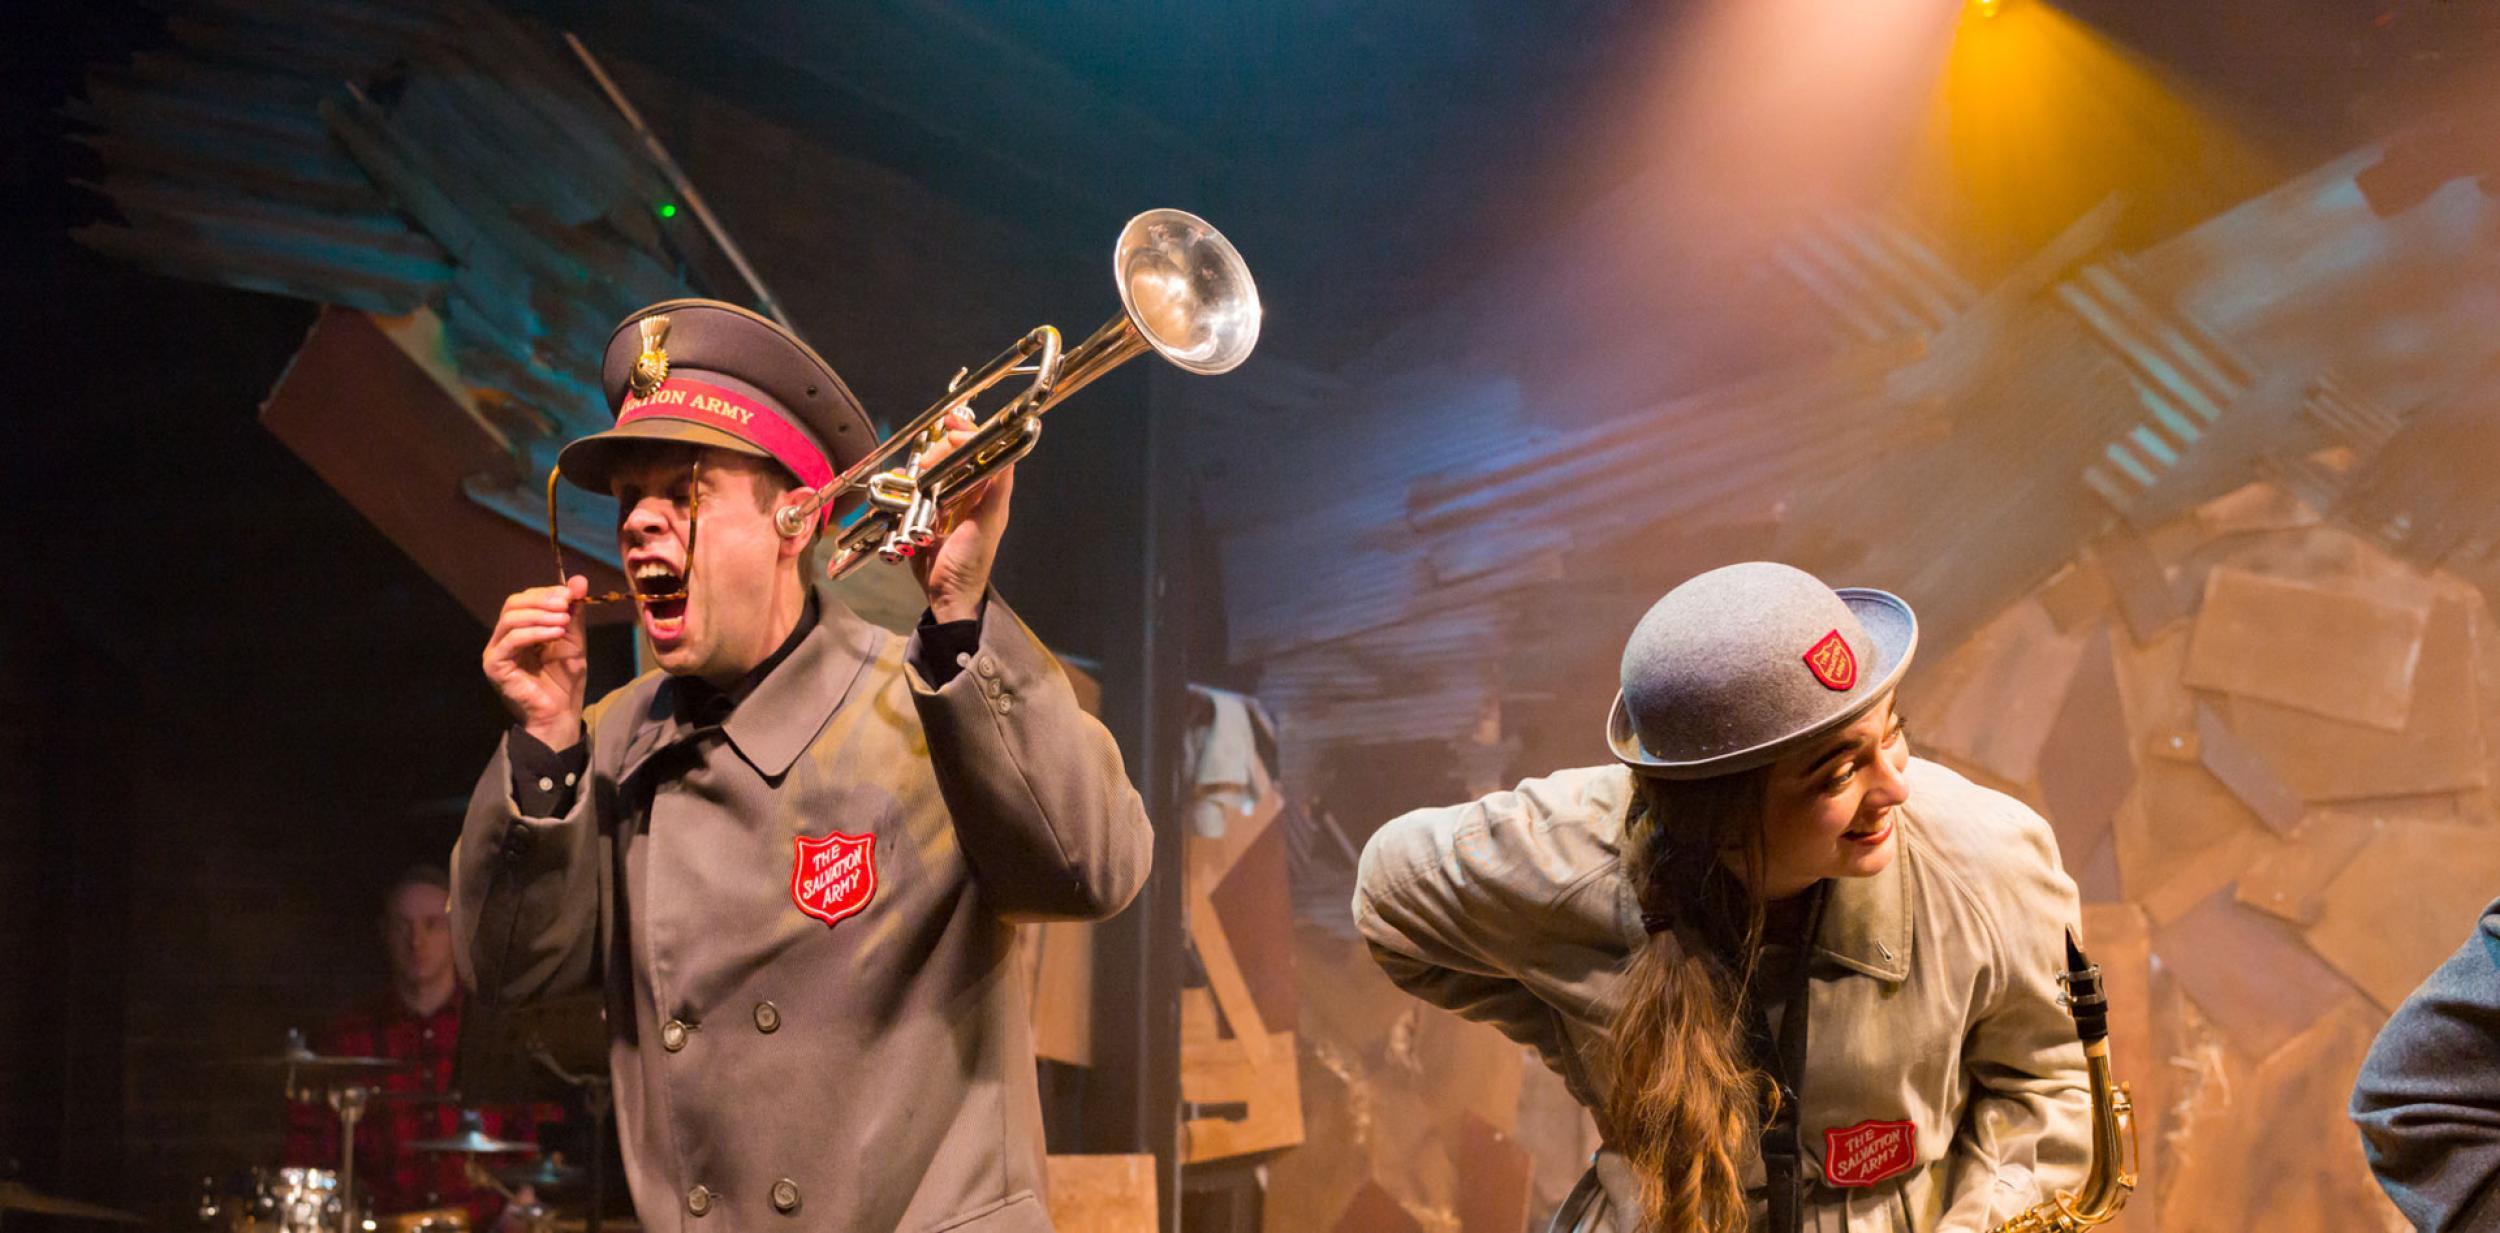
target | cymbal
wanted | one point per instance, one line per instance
(546, 1175)
(299, 1056)
(474, 1141)
(17, 1198)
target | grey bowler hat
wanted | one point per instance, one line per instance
(1744, 663)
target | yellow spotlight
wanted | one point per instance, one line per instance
(1986, 8)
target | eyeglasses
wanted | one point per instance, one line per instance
(685, 579)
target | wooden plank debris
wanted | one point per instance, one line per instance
(2329, 652)
(2439, 746)
(2290, 879)
(2137, 582)
(2014, 672)
(2397, 910)
(388, 155)
(1102, 1194)
(2249, 973)
(2246, 773)
(1494, 1174)
(1268, 1092)
(1232, 991)
(2086, 763)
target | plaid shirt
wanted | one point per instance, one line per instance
(397, 1177)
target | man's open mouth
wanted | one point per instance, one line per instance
(662, 592)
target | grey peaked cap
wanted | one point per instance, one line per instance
(742, 351)
(1720, 675)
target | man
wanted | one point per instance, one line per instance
(417, 1019)
(793, 855)
(2426, 1100)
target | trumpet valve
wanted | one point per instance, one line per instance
(919, 527)
(893, 491)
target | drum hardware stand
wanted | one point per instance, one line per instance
(598, 1096)
(349, 1100)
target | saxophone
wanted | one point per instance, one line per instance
(2112, 1177)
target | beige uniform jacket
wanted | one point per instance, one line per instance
(1933, 996)
(863, 1066)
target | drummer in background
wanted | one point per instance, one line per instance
(416, 1019)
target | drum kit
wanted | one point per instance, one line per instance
(323, 1200)
(320, 1200)
(18, 1198)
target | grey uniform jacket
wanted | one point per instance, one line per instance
(863, 1066)
(1941, 1070)
(2428, 1099)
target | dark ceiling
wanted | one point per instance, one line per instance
(1367, 155)
(1349, 149)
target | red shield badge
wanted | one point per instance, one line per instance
(1868, 1152)
(1833, 663)
(833, 878)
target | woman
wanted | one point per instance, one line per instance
(1641, 925)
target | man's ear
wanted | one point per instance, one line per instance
(793, 545)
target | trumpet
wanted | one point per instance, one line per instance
(2113, 1173)
(1184, 292)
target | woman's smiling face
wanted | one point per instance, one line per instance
(1829, 809)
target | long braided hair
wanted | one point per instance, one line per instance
(1687, 1101)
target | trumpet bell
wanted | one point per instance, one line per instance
(1187, 291)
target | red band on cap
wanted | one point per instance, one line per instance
(744, 418)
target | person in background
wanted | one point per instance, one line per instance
(417, 1019)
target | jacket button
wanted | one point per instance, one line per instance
(699, 1200)
(673, 1038)
(767, 1018)
(1005, 704)
(785, 1196)
(987, 666)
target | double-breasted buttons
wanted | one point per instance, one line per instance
(785, 1196)
(767, 1018)
(673, 1036)
(699, 1200)
(991, 684)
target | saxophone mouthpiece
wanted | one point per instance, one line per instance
(2084, 994)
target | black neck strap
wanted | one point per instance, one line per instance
(1783, 1135)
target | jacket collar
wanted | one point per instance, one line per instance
(785, 711)
(1866, 923)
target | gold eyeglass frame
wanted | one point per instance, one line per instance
(685, 580)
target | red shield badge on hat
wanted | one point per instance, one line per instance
(833, 878)
(1833, 663)
(1868, 1152)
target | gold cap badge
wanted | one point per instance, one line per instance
(651, 367)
